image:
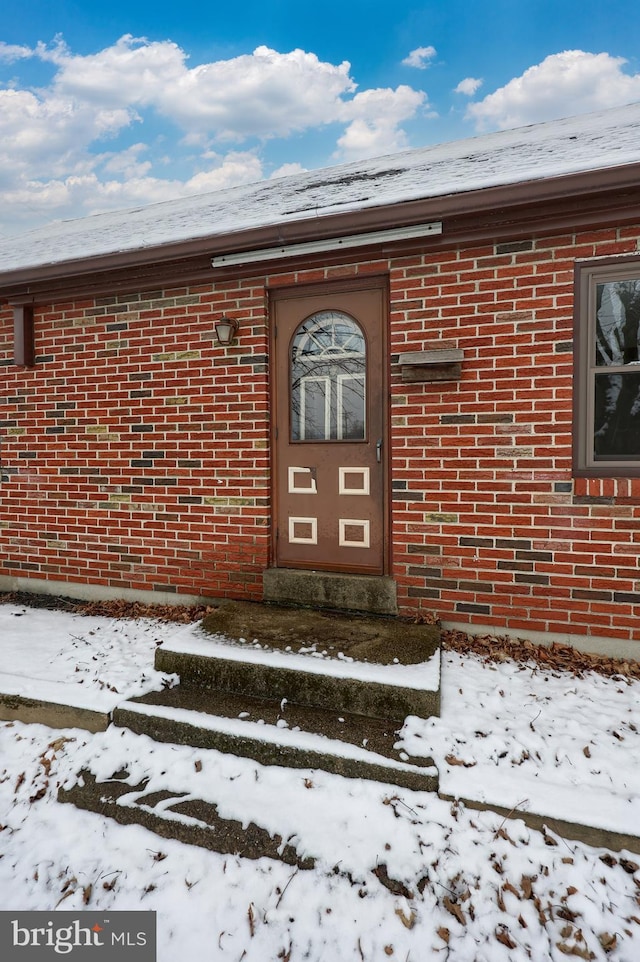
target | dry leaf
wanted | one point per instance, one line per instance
(197, 765)
(452, 760)
(252, 920)
(542, 915)
(86, 893)
(526, 886)
(608, 942)
(502, 935)
(502, 833)
(564, 912)
(454, 909)
(65, 896)
(581, 951)
(444, 934)
(388, 950)
(407, 920)
(586, 752)
(629, 866)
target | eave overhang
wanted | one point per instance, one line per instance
(492, 214)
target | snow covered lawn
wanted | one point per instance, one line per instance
(398, 874)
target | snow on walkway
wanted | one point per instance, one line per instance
(515, 735)
(467, 887)
(92, 662)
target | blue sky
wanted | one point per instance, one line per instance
(106, 106)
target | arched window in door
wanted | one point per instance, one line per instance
(328, 365)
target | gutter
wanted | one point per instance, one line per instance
(507, 204)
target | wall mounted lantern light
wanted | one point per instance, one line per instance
(226, 329)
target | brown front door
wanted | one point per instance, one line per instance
(330, 429)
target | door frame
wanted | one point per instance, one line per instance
(378, 282)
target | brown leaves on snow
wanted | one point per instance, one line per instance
(452, 760)
(185, 614)
(556, 657)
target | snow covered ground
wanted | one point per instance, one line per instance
(399, 874)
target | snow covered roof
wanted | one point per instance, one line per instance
(590, 142)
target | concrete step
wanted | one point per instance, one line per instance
(292, 688)
(173, 815)
(313, 685)
(278, 733)
(379, 667)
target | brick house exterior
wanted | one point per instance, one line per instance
(137, 453)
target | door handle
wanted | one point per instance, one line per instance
(379, 450)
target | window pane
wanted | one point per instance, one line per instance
(617, 323)
(328, 379)
(617, 416)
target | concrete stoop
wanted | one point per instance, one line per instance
(174, 815)
(337, 704)
(233, 698)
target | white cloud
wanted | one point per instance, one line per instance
(118, 181)
(469, 86)
(375, 117)
(241, 167)
(53, 139)
(565, 83)
(420, 57)
(10, 52)
(48, 135)
(262, 94)
(127, 163)
(286, 170)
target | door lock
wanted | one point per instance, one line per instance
(379, 450)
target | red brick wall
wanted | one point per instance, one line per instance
(136, 453)
(492, 527)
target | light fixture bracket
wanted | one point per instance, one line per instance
(327, 244)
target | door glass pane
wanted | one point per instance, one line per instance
(315, 408)
(351, 407)
(328, 379)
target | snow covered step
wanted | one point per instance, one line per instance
(381, 667)
(178, 815)
(278, 733)
(345, 685)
